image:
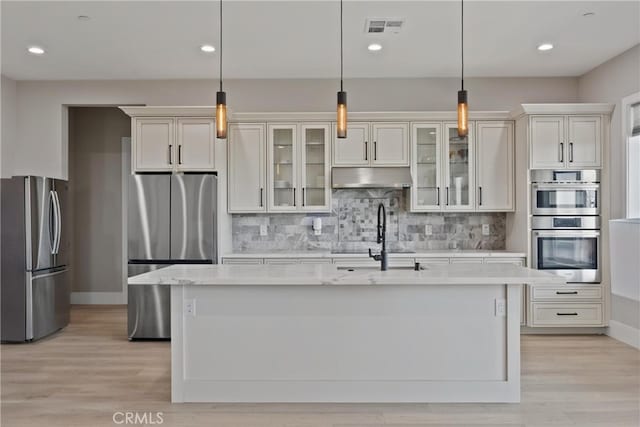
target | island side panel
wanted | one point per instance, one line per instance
(436, 343)
(177, 344)
(514, 306)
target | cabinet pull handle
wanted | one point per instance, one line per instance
(179, 154)
(366, 156)
(438, 195)
(303, 196)
(294, 196)
(561, 152)
(261, 203)
(375, 150)
(566, 314)
(480, 194)
(567, 293)
(170, 154)
(571, 152)
(447, 196)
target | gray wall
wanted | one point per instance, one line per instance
(351, 225)
(8, 123)
(95, 172)
(43, 102)
(610, 82)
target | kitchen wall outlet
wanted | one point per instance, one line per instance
(428, 230)
(263, 230)
(501, 307)
(485, 230)
(190, 307)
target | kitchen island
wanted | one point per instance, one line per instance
(319, 333)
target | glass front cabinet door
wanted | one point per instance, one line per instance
(459, 174)
(315, 191)
(426, 194)
(283, 165)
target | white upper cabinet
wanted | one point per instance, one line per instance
(495, 147)
(459, 172)
(569, 141)
(282, 167)
(547, 142)
(426, 166)
(246, 168)
(390, 144)
(315, 167)
(585, 146)
(196, 138)
(168, 144)
(154, 145)
(372, 144)
(354, 149)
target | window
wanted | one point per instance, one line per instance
(631, 135)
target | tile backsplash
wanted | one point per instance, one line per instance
(351, 225)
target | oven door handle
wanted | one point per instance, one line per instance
(565, 186)
(567, 233)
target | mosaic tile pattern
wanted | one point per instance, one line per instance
(351, 226)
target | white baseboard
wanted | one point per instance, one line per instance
(99, 298)
(625, 333)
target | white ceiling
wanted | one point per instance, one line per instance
(299, 39)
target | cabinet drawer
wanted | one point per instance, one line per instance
(315, 260)
(245, 261)
(549, 314)
(281, 261)
(515, 261)
(567, 293)
(466, 260)
(370, 262)
(432, 260)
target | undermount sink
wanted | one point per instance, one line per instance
(374, 268)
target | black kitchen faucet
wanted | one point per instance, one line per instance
(381, 238)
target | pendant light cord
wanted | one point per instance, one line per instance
(220, 45)
(341, 54)
(462, 43)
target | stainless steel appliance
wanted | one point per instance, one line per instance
(35, 288)
(171, 220)
(568, 246)
(565, 192)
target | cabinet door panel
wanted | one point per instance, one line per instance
(495, 169)
(246, 153)
(196, 144)
(426, 161)
(315, 192)
(154, 144)
(548, 145)
(390, 144)
(352, 150)
(459, 162)
(585, 146)
(283, 166)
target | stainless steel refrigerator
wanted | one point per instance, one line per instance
(171, 220)
(35, 279)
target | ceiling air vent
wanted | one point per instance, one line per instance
(383, 25)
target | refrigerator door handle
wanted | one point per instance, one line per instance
(53, 221)
(58, 222)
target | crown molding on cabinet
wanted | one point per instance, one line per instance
(169, 111)
(562, 109)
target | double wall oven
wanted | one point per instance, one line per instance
(566, 224)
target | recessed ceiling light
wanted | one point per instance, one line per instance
(83, 17)
(545, 46)
(35, 50)
(374, 47)
(207, 48)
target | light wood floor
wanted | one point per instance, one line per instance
(84, 374)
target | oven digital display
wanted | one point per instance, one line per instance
(567, 176)
(567, 223)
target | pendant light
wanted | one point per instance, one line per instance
(341, 122)
(221, 96)
(463, 117)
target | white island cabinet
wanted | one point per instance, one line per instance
(318, 333)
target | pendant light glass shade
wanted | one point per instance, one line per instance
(463, 116)
(341, 122)
(221, 115)
(463, 106)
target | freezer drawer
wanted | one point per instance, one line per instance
(50, 304)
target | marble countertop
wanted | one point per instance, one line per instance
(419, 254)
(328, 274)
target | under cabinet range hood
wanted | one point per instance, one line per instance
(378, 177)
